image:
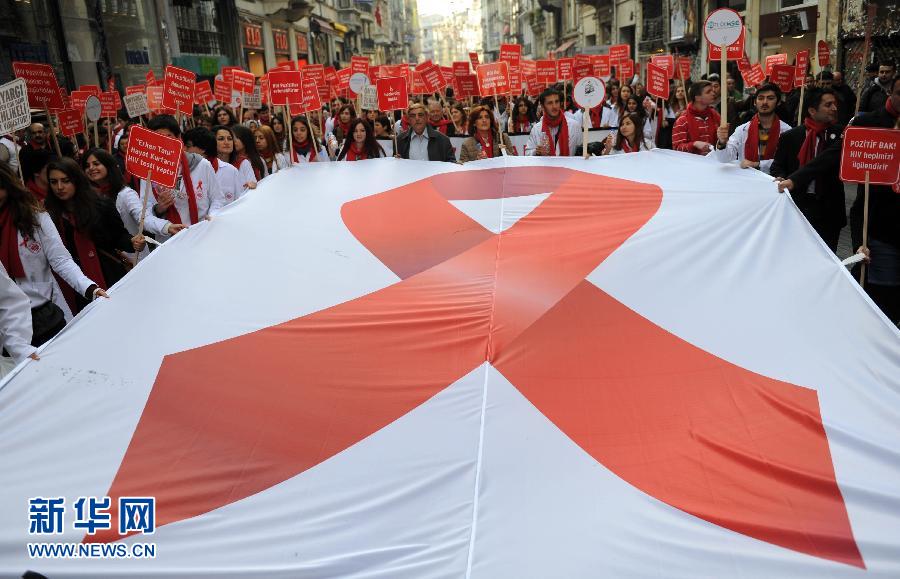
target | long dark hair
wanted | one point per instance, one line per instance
(245, 136)
(231, 119)
(371, 146)
(638, 121)
(309, 134)
(473, 119)
(23, 207)
(113, 174)
(529, 114)
(85, 200)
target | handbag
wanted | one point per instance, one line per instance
(46, 321)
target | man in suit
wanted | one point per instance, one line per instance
(805, 164)
(421, 142)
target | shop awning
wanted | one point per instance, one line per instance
(565, 46)
(324, 25)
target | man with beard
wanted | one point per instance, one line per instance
(799, 166)
(36, 136)
(556, 134)
(873, 98)
(754, 143)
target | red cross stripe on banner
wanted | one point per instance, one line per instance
(231, 419)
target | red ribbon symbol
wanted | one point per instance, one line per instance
(231, 419)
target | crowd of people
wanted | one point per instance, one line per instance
(70, 213)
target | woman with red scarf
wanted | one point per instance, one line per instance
(360, 143)
(89, 226)
(342, 122)
(629, 138)
(484, 142)
(32, 253)
(246, 158)
(523, 117)
(305, 148)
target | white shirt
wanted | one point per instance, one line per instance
(130, 205)
(15, 318)
(206, 191)
(643, 145)
(418, 145)
(231, 182)
(247, 174)
(734, 150)
(537, 134)
(610, 116)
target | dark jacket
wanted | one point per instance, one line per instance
(439, 147)
(825, 210)
(846, 103)
(872, 99)
(884, 204)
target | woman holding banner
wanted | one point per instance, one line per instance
(360, 143)
(90, 228)
(629, 138)
(217, 147)
(267, 147)
(306, 149)
(32, 253)
(103, 172)
(484, 142)
(245, 158)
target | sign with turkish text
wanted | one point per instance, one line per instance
(315, 72)
(783, 76)
(824, 53)
(460, 68)
(582, 70)
(684, 67)
(359, 64)
(493, 78)
(285, 87)
(243, 81)
(40, 79)
(802, 68)
(774, 59)
(512, 54)
(625, 69)
(755, 76)
(473, 58)
(154, 98)
(392, 94)
(310, 98)
(565, 68)
(136, 104)
(153, 156)
(618, 52)
(15, 113)
(135, 88)
(872, 152)
(744, 63)
(178, 89)
(666, 62)
(546, 71)
(368, 100)
(203, 92)
(468, 86)
(222, 89)
(657, 81)
(600, 65)
(432, 77)
(110, 103)
(70, 122)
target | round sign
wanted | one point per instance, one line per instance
(92, 108)
(358, 81)
(723, 27)
(589, 92)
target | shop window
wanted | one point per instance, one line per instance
(199, 28)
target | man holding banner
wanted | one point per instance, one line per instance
(421, 142)
(754, 143)
(695, 130)
(556, 134)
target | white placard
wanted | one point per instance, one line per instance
(589, 92)
(15, 113)
(254, 100)
(723, 27)
(235, 99)
(369, 98)
(92, 108)
(358, 81)
(136, 104)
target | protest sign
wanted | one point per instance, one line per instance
(40, 79)
(15, 113)
(493, 78)
(392, 94)
(824, 53)
(110, 103)
(136, 105)
(774, 59)
(71, 122)
(783, 76)
(657, 81)
(153, 156)
(285, 87)
(178, 89)
(871, 152)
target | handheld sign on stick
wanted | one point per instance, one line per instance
(93, 110)
(15, 113)
(722, 28)
(870, 156)
(588, 93)
(392, 96)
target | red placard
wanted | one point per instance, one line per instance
(744, 63)
(228, 74)
(473, 58)
(178, 89)
(824, 53)
(565, 68)
(600, 64)
(529, 67)
(872, 151)
(417, 86)
(625, 69)
(619, 52)
(149, 78)
(392, 94)
(468, 86)
(493, 78)
(110, 103)
(657, 81)
(582, 70)
(154, 98)
(285, 86)
(735, 51)
(393, 70)
(684, 67)
(134, 89)
(533, 87)
(460, 68)
(77, 100)
(222, 90)
(755, 76)
(330, 75)
(582, 59)
(341, 79)
(203, 92)
(70, 121)
(666, 62)
(315, 72)
(512, 54)
(774, 59)
(243, 81)
(310, 98)
(783, 76)
(359, 64)
(93, 89)
(431, 77)
(152, 156)
(40, 80)
(546, 71)
(802, 67)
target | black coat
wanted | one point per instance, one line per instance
(884, 204)
(872, 99)
(825, 210)
(439, 146)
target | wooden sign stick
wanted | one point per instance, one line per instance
(140, 231)
(865, 231)
(52, 130)
(723, 87)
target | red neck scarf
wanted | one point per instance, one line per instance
(702, 124)
(104, 189)
(895, 114)
(301, 149)
(562, 135)
(810, 145)
(214, 161)
(88, 258)
(440, 126)
(626, 146)
(345, 127)
(9, 245)
(41, 194)
(239, 159)
(596, 116)
(354, 155)
(751, 147)
(37, 147)
(487, 143)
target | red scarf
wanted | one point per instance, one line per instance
(751, 147)
(702, 124)
(626, 146)
(88, 258)
(345, 127)
(354, 155)
(300, 147)
(39, 193)
(895, 114)
(562, 135)
(214, 161)
(172, 215)
(596, 116)
(9, 245)
(487, 144)
(440, 126)
(238, 161)
(813, 131)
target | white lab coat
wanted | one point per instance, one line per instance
(231, 182)
(15, 318)
(246, 171)
(536, 136)
(206, 190)
(734, 150)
